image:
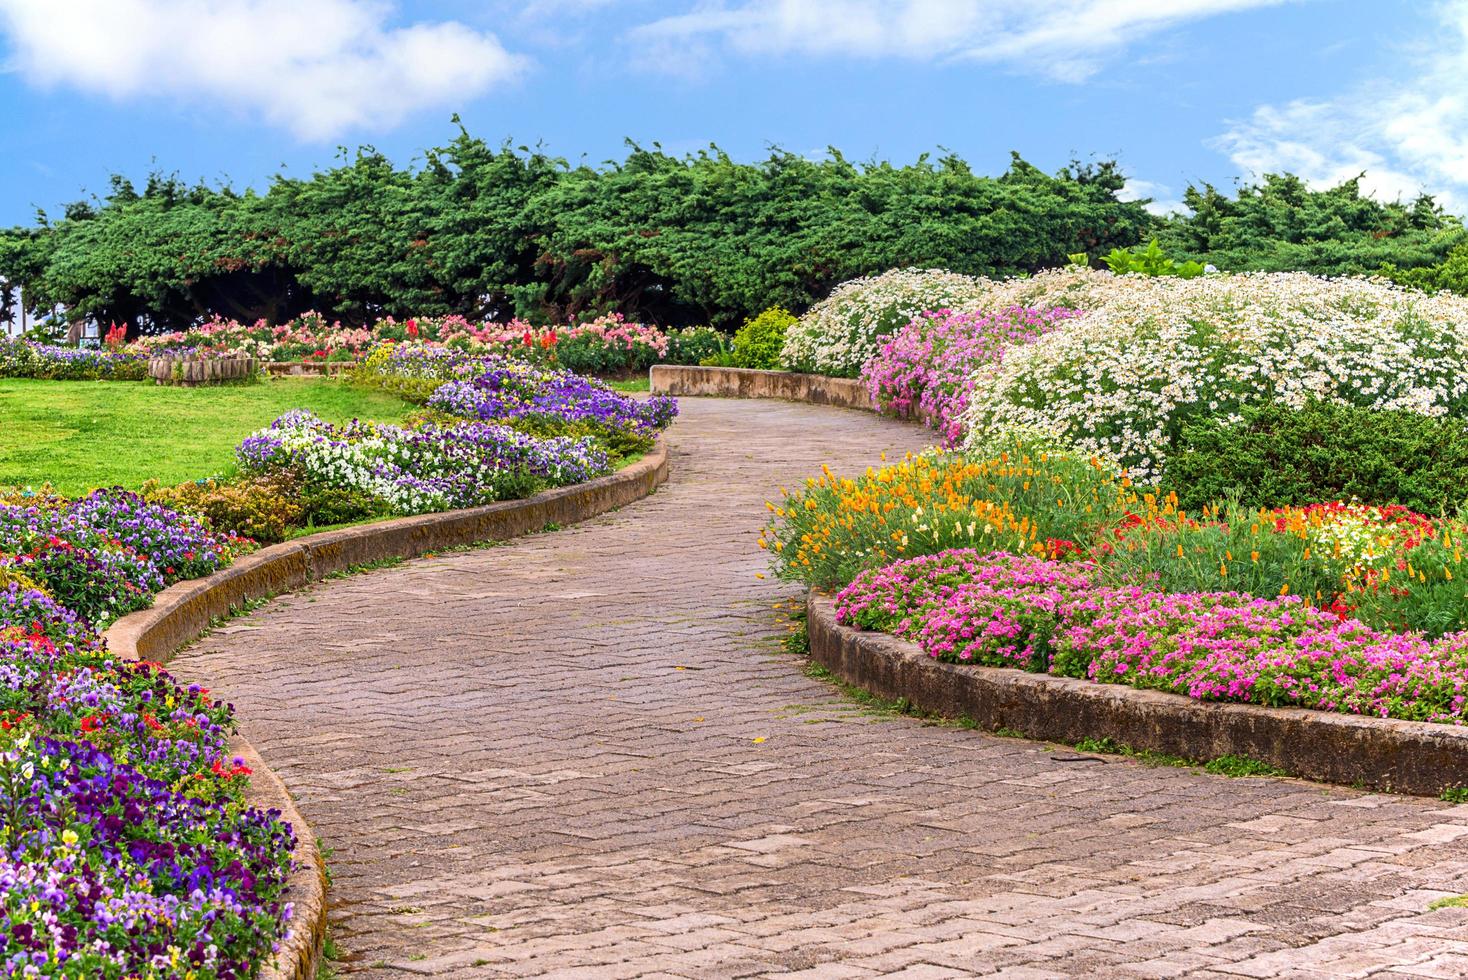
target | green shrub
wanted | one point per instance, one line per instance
(694, 345)
(1278, 456)
(263, 508)
(1149, 261)
(758, 343)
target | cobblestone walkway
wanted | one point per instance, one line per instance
(585, 754)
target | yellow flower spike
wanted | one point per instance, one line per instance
(1284, 589)
(1254, 556)
(1222, 570)
(1179, 551)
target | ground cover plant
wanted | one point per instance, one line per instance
(78, 436)
(53, 362)
(999, 609)
(491, 428)
(126, 844)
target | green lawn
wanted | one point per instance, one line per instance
(83, 434)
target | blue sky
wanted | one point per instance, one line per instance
(1177, 90)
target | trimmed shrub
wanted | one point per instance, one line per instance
(1278, 455)
(758, 343)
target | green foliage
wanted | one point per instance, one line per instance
(1280, 224)
(262, 508)
(1237, 765)
(757, 344)
(1149, 261)
(1450, 274)
(494, 233)
(694, 345)
(1278, 456)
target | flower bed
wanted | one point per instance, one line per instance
(608, 344)
(1041, 559)
(126, 846)
(25, 359)
(1056, 617)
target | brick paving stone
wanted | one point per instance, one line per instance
(539, 759)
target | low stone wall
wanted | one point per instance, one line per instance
(1376, 753)
(191, 372)
(716, 382)
(321, 368)
(183, 611)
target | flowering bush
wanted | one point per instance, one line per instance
(1152, 354)
(1004, 610)
(926, 369)
(609, 344)
(842, 332)
(1033, 502)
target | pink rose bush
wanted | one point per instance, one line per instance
(1005, 610)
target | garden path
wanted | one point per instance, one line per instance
(585, 754)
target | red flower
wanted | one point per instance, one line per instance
(412, 328)
(91, 723)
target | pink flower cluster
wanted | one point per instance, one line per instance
(925, 368)
(1005, 610)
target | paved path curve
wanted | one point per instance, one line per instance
(584, 754)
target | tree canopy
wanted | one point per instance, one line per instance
(489, 232)
(492, 232)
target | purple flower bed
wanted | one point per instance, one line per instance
(425, 469)
(1005, 610)
(926, 368)
(108, 553)
(502, 394)
(26, 359)
(126, 847)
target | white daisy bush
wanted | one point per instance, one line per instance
(1151, 353)
(842, 332)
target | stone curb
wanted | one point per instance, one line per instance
(716, 382)
(301, 368)
(184, 611)
(1375, 753)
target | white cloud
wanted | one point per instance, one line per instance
(1408, 134)
(1161, 204)
(317, 67)
(1065, 39)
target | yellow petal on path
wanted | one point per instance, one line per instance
(759, 740)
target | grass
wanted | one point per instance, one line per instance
(640, 383)
(83, 434)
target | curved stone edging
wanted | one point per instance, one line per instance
(718, 382)
(183, 611)
(1376, 753)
